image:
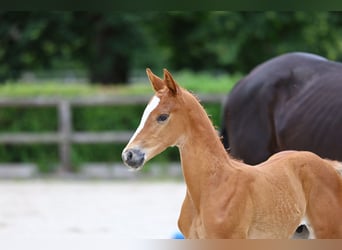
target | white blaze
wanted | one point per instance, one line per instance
(149, 108)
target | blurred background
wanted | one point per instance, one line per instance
(96, 62)
(73, 88)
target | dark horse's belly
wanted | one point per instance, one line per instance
(312, 119)
(293, 101)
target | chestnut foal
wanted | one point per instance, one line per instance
(226, 198)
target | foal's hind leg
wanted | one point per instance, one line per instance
(325, 213)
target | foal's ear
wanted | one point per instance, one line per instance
(170, 83)
(156, 82)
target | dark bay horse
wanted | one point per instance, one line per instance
(293, 101)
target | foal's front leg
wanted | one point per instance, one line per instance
(186, 216)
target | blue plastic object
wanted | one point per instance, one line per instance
(178, 236)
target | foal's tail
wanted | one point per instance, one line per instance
(336, 164)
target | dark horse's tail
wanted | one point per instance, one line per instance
(224, 136)
(223, 131)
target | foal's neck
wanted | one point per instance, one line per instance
(203, 157)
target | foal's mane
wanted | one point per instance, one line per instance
(201, 114)
(204, 112)
(196, 97)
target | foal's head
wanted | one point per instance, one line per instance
(162, 124)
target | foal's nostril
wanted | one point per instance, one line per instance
(129, 156)
(133, 158)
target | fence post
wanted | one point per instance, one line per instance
(64, 114)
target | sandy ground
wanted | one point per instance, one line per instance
(120, 210)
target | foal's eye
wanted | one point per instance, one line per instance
(162, 118)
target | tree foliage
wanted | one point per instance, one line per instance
(110, 45)
(237, 41)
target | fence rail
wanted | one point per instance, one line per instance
(65, 136)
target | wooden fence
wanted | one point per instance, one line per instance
(66, 136)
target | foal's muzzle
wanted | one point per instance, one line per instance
(133, 158)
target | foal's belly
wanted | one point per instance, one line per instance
(271, 234)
